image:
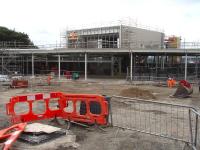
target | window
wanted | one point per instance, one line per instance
(70, 107)
(39, 107)
(21, 108)
(95, 107)
(81, 107)
(53, 104)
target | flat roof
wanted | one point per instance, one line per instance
(106, 50)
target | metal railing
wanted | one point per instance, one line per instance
(195, 128)
(98, 44)
(172, 121)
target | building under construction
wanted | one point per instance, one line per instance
(112, 51)
(125, 37)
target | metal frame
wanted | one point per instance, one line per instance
(172, 121)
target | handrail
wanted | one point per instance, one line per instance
(153, 101)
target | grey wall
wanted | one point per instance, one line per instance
(133, 37)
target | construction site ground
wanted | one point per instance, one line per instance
(113, 138)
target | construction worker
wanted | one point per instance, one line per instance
(169, 82)
(173, 82)
(49, 79)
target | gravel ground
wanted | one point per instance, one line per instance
(113, 138)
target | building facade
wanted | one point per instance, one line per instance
(124, 37)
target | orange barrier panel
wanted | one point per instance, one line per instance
(11, 134)
(86, 108)
(31, 99)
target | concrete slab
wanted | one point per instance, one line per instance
(63, 142)
(39, 127)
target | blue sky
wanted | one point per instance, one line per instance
(43, 20)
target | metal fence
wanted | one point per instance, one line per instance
(195, 128)
(176, 122)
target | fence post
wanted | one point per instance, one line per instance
(196, 130)
(110, 111)
(190, 126)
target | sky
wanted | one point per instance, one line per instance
(45, 20)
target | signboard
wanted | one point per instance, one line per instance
(73, 36)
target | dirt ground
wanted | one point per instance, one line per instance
(113, 138)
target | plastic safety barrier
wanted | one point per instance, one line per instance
(86, 108)
(30, 101)
(11, 134)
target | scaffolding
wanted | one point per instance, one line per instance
(11, 62)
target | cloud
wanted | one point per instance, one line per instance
(43, 20)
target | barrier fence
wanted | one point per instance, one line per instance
(87, 108)
(195, 128)
(172, 121)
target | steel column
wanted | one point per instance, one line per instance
(112, 66)
(32, 65)
(120, 66)
(131, 68)
(85, 66)
(185, 66)
(27, 61)
(196, 67)
(156, 59)
(58, 66)
(2, 64)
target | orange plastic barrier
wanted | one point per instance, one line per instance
(86, 108)
(11, 134)
(76, 107)
(31, 99)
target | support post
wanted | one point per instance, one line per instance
(131, 67)
(2, 64)
(85, 66)
(120, 66)
(156, 59)
(59, 66)
(27, 61)
(196, 67)
(120, 36)
(32, 65)
(112, 66)
(185, 66)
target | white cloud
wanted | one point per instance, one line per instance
(44, 19)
